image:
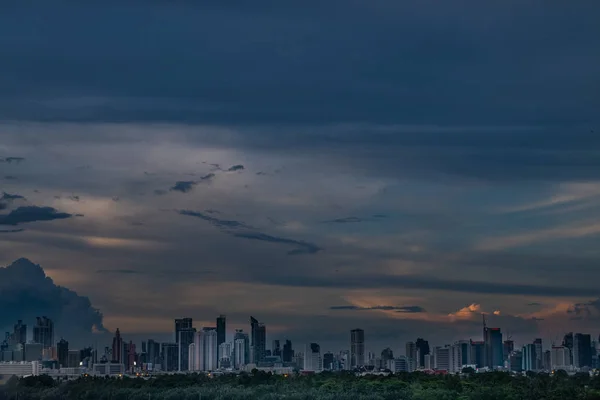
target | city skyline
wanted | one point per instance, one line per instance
(323, 166)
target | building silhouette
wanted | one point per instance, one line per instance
(62, 350)
(258, 340)
(357, 348)
(117, 348)
(221, 330)
(287, 355)
(43, 332)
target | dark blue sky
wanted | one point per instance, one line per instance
(376, 163)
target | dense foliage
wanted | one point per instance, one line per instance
(260, 385)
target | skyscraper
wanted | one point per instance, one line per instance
(211, 349)
(568, 343)
(43, 332)
(19, 335)
(411, 353)
(241, 335)
(582, 350)
(422, 350)
(529, 357)
(258, 340)
(494, 352)
(276, 348)
(357, 348)
(169, 356)
(62, 348)
(182, 323)
(239, 353)
(221, 330)
(539, 354)
(287, 354)
(312, 358)
(117, 348)
(153, 353)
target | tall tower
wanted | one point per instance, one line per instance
(258, 340)
(43, 332)
(62, 348)
(19, 335)
(221, 330)
(357, 348)
(184, 336)
(117, 348)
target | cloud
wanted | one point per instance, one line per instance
(160, 192)
(237, 167)
(207, 177)
(183, 186)
(12, 231)
(10, 160)
(399, 309)
(74, 198)
(3, 206)
(534, 304)
(26, 292)
(31, 214)
(219, 223)
(231, 227)
(10, 197)
(344, 220)
(10, 178)
(301, 247)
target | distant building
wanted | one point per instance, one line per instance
(117, 348)
(478, 353)
(329, 362)
(529, 362)
(73, 359)
(539, 354)
(494, 353)
(32, 352)
(169, 356)
(288, 352)
(509, 347)
(258, 341)
(560, 358)
(515, 361)
(582, 350)
(276, 348)
(20, 369)
(312, 358)
(357, 348)
(400, 364)
(568, 343)
(442, 358)
(422, 350)
(19, 335)
(239, 353)
(43, 332)
(221, 331)
(108, 369)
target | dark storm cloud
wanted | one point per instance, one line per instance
(238, 167)
(31, 214)
(411, 88)
(26, 292)
(400, 309)
(301, 247)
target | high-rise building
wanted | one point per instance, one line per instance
(221, 330)
(582, 350)
(239, 353)
(117, 348)
(288, 352)
(43, 332)
(328, 361)
(153, 356)
(529, 362)
(62, 348)
(411, 354)
(211, 360)
(515, 361)
(560, 357)
(422, 350)
(276, 348)
(442, 358)
(465, 352)
(131, 353)
(19, 335)
(509, 347)
(539, 354)
(357, 348)
(244, 358)
(478, 353)
(73, 358)
(568, 343)
(169, 356)
(494, 352)
(312, 358)
(258, 340)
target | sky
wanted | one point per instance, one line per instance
(401, 167)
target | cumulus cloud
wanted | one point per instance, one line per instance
(26, 214)
(26, 292)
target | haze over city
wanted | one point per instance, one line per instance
(398, 167)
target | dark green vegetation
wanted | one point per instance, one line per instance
(259, 385)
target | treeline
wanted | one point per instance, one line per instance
(326, 386)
